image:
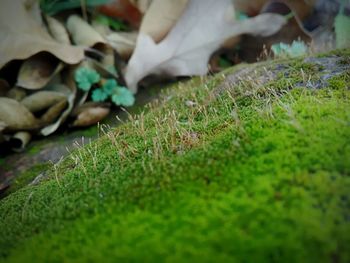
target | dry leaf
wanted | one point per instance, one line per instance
(16, 116)
(53, 112)
(108, 58)
(88, 105)
(90, 116)
(16, 93)
(34, 10)
(185, 51)
(70, 91)
(82, 33)
(42, 100)
(26, 37)
(161, 16)
(57, 30)
(20, 140)
(102, 29)
(38, 70)
(123, 42)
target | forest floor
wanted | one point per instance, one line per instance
(249, 165)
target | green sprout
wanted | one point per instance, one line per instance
(110, 89)
(123, 97)
(86, 77)
(296, 49)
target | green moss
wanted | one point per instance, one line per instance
(249, 175)
(338, 52)
(90, 132)
(341, 81)
(34, 149)
(2, 162)
(28, 176)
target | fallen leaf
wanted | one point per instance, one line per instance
(26, 37)
(123, 42)
(108, 58)
(186, 52)
(87, 105)
(70, 91)
(57, 30)
(90, 116)
(102, 29)
(16, 116)
(53, 113)
(42, 100)
(16, 93)
(38, 70)
(161, 16)
(104, 71)
(19, 141)
(82, 33)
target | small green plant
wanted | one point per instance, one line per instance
(296, 49)
(86, 77)
(104, 89)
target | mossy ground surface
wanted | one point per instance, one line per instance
(246, 173)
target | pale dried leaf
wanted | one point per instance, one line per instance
(102, 29)
(87, 105)
(16, 116)
(187, 48)
(69, 90)
(57, 30)
(161, 16)
(19, 141)
(37, 71)
(53, 113)
(16, 93)
(41, 100)
(23, 36)
(90, 116)
(123, 42)
(82, 33)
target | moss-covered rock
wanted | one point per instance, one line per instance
(251, 165)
